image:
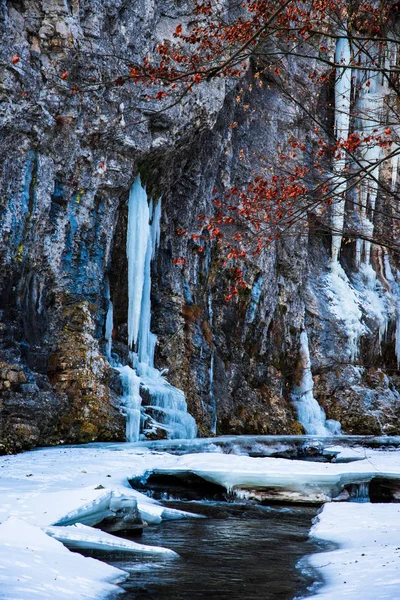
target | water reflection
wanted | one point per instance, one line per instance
(239, 552)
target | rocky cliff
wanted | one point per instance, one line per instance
(68, 161)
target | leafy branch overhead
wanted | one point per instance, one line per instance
(349, 52)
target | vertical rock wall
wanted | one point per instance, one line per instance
(68, 161)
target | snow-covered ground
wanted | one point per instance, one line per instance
(367, 564)
(33, 565)
(44, 493)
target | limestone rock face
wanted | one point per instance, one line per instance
(68, 161)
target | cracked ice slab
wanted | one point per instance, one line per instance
(83, 537)
(28, 480)
(33, 565)
(278, 478)
(367, 564)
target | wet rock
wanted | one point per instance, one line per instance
(183, 486)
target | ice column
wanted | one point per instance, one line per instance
(109, 323)
(136, 249)
(211, 372)
(309, 412)
(369, 110)
(342, 124)
(164, 408)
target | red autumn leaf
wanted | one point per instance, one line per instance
(178, 30)
(15, 59)
(179, 261)
(64, 75)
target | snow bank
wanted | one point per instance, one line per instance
(92, 480)
(367, 565)
(87, 505)
(33, 565)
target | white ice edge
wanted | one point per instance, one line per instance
(81, 536)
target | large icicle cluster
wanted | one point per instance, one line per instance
(342, 124)
(363, 92)
(165, 408)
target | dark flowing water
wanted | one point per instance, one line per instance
(238, 552)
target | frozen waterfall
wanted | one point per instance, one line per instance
(137, 242)
(310, 413)
(164, 406)
(109, 323)
(131, 401)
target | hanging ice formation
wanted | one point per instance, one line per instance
(369, 109)
(165, 406)
(309, 412)
(369, 88)
(109, 323)
(342, 124)
(343, 299)
(213, 404)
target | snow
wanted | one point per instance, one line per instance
(33, 565)
(344, 303)
(62, 490)
(80, 536)
(76, 471)
(310, 414)
(49, 491)
(311, 481)
(86, 505)
(367, 564)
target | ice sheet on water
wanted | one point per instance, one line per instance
(80, 536)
